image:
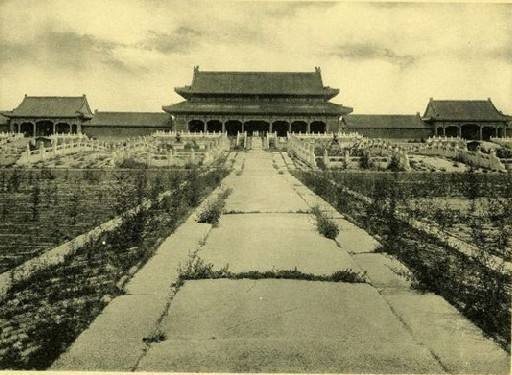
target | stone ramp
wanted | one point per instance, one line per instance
(284, 326)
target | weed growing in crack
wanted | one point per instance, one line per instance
(325, 225)
(197, 269)
(213, 210)
(156, 337)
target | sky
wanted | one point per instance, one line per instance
(128, 55)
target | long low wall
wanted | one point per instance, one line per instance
(396, 133)
(119, 132)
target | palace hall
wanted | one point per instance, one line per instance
(257, 101)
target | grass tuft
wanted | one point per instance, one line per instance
(325, 225)
(197, 269)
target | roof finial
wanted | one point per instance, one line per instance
(196, 68)
(25, 95)
(431, 99)
(317, 69)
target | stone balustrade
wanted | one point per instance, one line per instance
(157, 157)
(187, 134)
(77, 144)
(450, 141)
(302, 150)
(453, 151)
(8, 137)
(503, 141)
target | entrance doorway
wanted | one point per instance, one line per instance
(233, 127)
(281, 128)
(44, 128)
(470, 131)
(214, 126)
(317, 127)
(195, 126)
(299, 127)
(256, 128)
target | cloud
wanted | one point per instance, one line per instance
(63, 50)
(182, 40)
(364, 51)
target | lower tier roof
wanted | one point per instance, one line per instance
(258, 108)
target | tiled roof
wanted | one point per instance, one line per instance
(385, 121)
(53, 106)
(258, 108)
(254, 83)
(3, 119)
(463, 110)
(134, 119)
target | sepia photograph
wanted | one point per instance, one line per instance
(255, 186)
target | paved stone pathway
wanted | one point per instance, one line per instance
(275, 325)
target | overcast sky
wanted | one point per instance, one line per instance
(129, 55)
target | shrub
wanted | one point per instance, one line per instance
(130, 163)
(365, 162)
(211, 213)
(394, 163)
(325, 225)
(320, 164)
(213, 210)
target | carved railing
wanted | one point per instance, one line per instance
(302, 150)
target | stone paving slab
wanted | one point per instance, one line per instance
(383, 271)
(355, 239)
(270, 193)
(264, 242)
(313, 200)
(458, 343)
(287, 356)
(161, 270)
(114, 341)
(284, 326)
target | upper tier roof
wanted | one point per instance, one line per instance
(52, 106)
(462, 110)
(257, 83)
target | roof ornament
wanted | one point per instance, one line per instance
(196, 68)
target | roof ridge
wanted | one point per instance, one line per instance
(460, 100)
(250, 72)
(52, 97)
(130, 112)
(383, 114)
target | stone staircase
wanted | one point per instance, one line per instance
(256, 143)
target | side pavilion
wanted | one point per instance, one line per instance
(46, 115)
(469, 119)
